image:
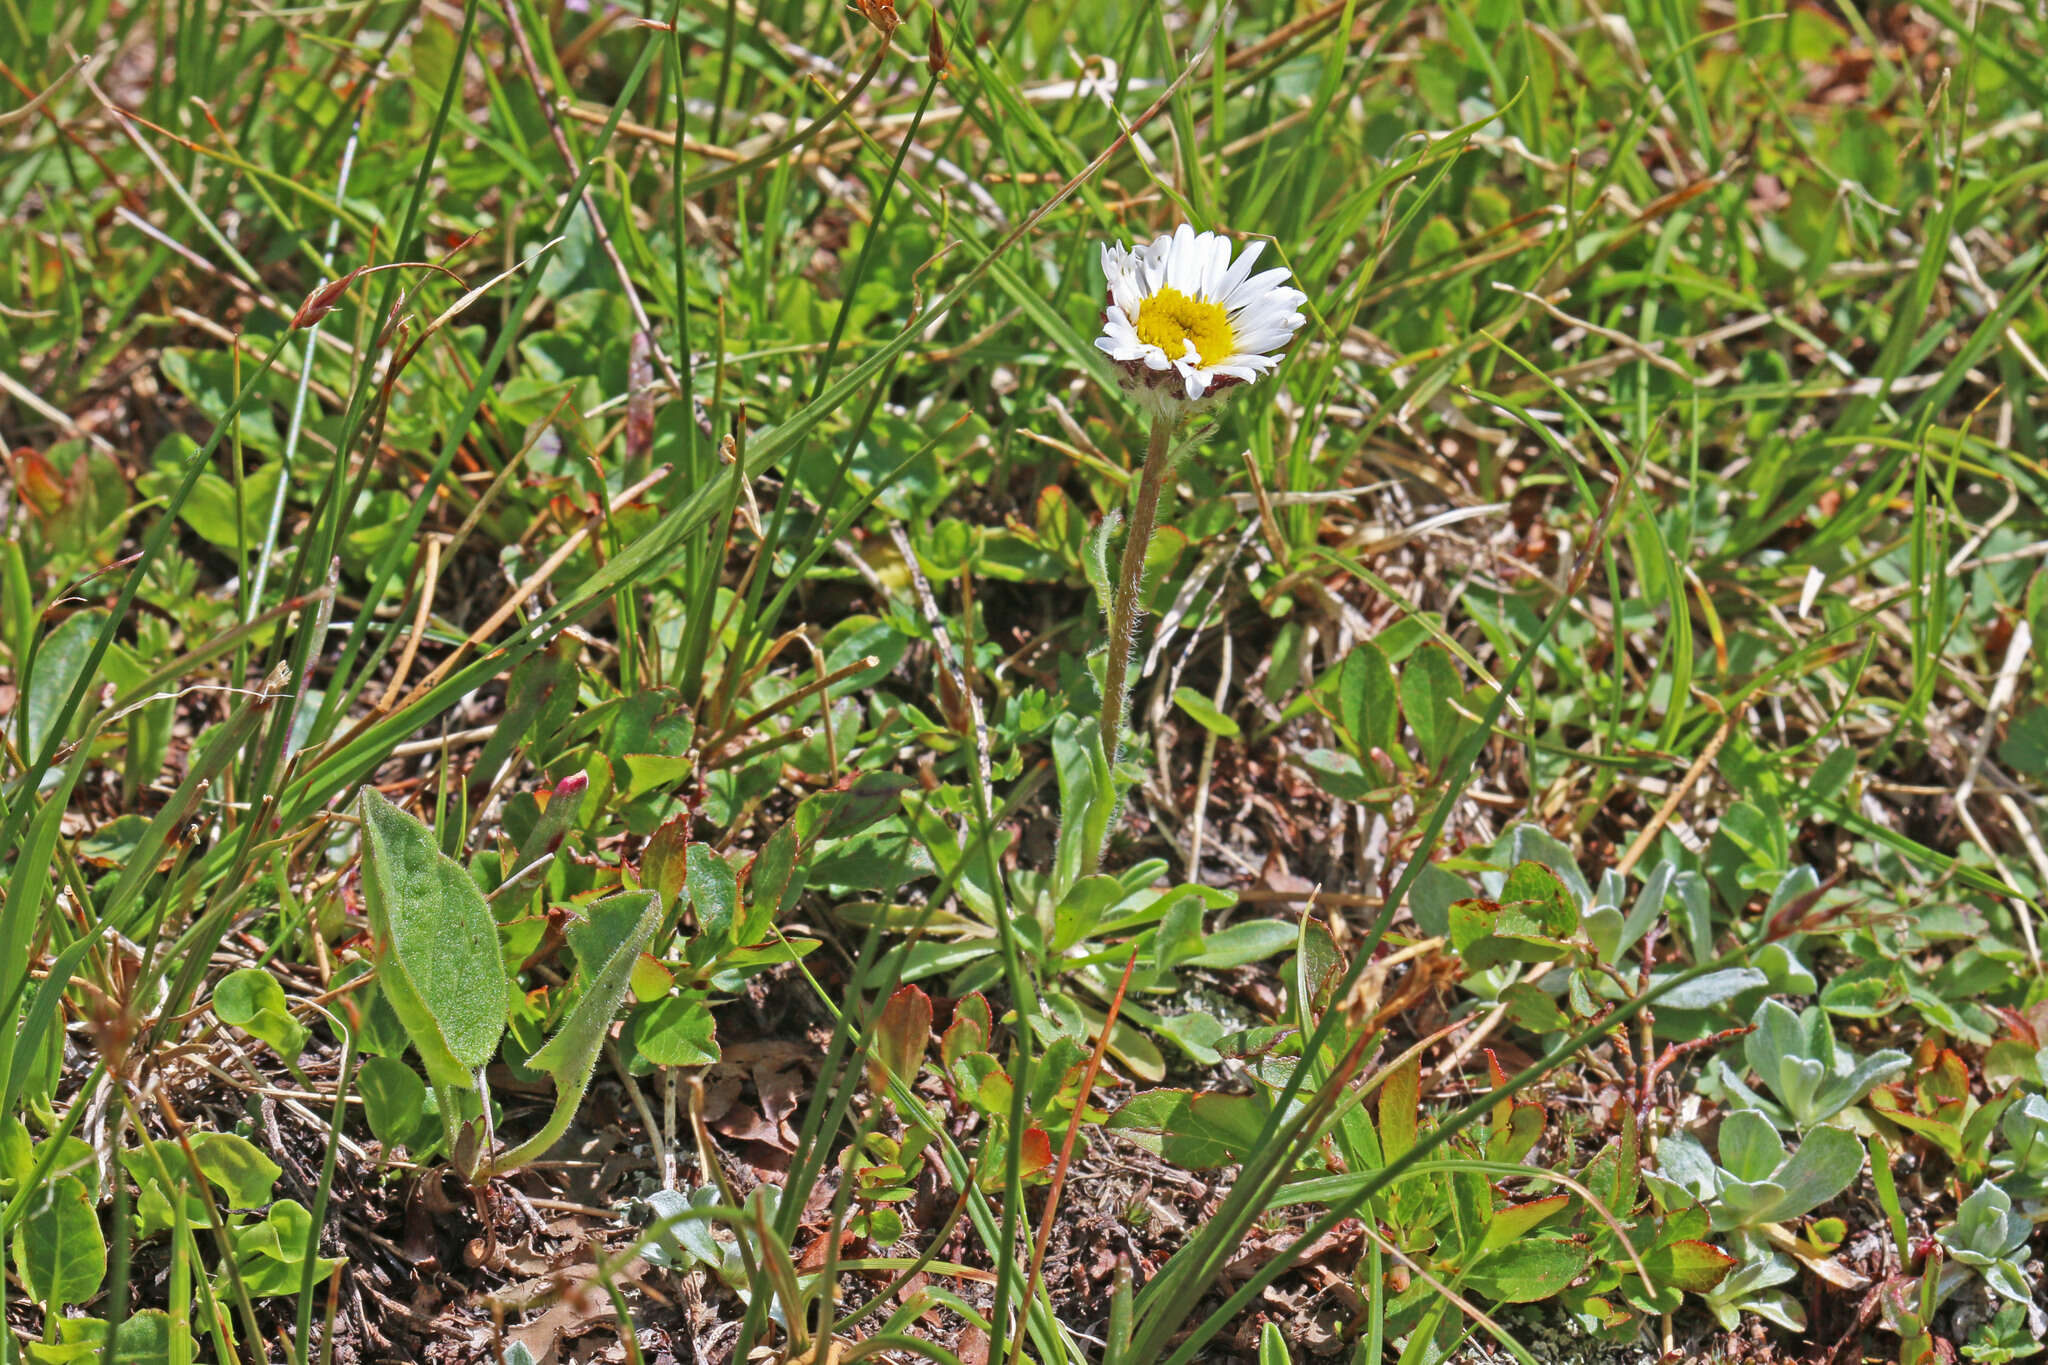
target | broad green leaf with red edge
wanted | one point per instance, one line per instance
(1527, 1271)
(1695, 1267)
(662, 862)
(1514, 1221)
(1535, 891)
(968, 1032)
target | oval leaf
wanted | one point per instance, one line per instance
(436, 944)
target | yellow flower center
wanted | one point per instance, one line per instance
(1170, 318)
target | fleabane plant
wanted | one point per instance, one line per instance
(1186, 322)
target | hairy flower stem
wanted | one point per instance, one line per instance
(1123, 607)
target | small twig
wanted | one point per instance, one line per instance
(664, 1153)
(2016, 652)
(430, 576)
(1647, 835)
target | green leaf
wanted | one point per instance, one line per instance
(901, 1035)
(251, 1000)
(1243, 943)
(664, 861)
(774, 880)
(58, 1249)
(1082, 909)
(1528, 1271)
(1195, 1033)
(1533, 890)
(17, 1155)
(394, 1098)
(1180, 933)
(1486, 935)
(1344, 777)
(1087, 797)
(2025, 746)
(146, 1338)
(1695, 1267)
(233, 1165)
(1095, 564)
(1828, 1161)
(270, 1256)
(677, 1030)
(1400, 1099)
(1750, 1149)
(607, 941)
(436, 945)
(1533, 1009)
(1205, 713)
(1199, 1131)
(714, 892)
(59, 660)
(1430, 689)
(1368, 702)
(1319, 966)
(1715, 988)
(1515, 1221)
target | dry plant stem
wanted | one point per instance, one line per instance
(1123, 607)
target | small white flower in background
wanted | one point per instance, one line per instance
(1185, 322)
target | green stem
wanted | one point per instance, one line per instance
(1123, 608)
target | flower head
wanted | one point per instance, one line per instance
(1185, 322)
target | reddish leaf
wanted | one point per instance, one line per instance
(1037, 1153)
(901, 1036)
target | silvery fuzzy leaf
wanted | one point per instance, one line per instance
(1750, 1149)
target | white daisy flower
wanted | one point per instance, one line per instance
(1185, 322)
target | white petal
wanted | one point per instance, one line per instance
(1174, 260)
(1261, 343)
(1266, 320)
(1238, 271)
(1250, 364)
(1151, 260)
(1262, 283)
(1215, 261)
(1259, 317)
(1119, 338)
(1127, 292)
(1281, 303)
(1196, 378)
